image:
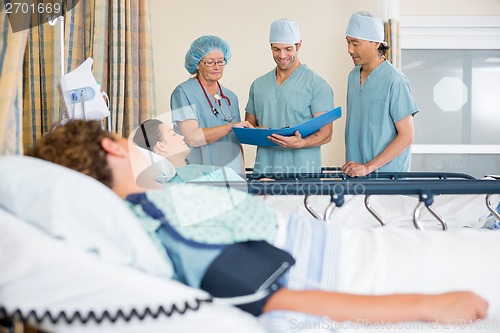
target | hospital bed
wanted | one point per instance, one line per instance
(396, 258)
(74, 259)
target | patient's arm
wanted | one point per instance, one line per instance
(388, 308)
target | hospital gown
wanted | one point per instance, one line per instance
(213, 215)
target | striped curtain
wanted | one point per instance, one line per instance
(392, 36)
(40, 77)
(117, 35)
(12, 46)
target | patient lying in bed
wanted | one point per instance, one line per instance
(70, 246)
(331, 251)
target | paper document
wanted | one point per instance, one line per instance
(258, 136)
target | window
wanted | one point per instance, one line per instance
(453, 64)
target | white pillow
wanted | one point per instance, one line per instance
(43, 275)
(78, 209)
(165, 170)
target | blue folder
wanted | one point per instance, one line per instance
(258, 136)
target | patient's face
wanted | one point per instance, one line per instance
(174, 143)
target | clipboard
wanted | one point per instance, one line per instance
(258, 136)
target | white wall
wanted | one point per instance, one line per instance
(244, 24)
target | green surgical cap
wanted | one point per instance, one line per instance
(284, 31)
(366, 26)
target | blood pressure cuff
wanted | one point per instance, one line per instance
(246, 269)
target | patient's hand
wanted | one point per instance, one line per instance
(454, 307)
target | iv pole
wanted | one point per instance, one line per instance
(53, 22)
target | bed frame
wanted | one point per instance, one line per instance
(332, 182)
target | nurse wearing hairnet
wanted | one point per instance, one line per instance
(204, 111)
(380, 107)
(287, 96)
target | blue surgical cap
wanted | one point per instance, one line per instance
(364, 25)
(284, 32)
(201, 47)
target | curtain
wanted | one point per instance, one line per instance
(392, 36)
(117, 35)
(40, 75)
(12, 46)
(389, 12)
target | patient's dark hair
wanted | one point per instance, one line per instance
(76, 145)
(148, 134)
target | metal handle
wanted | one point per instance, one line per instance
(309, 208)
(490, 207)
(372, 211)
(418, 209)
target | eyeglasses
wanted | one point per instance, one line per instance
(212, 63)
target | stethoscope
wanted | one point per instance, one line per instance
(218, 98)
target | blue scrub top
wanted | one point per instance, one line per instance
(189, 102)
(301, 96)
(372, 112)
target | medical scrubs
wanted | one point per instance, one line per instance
(301, 96)
(372, 112)
(189, 102)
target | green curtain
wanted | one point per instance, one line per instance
(12, 46)
(117, 35)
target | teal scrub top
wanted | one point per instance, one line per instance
(301, 96)
(189, 102)
(372, 112)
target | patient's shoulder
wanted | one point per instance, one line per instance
(203, 173)
(233, 215)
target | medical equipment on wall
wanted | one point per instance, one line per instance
(82, 95)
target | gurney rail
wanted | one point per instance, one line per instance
(425, 189)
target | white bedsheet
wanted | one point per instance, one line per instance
(389, 260)
(402, 260)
